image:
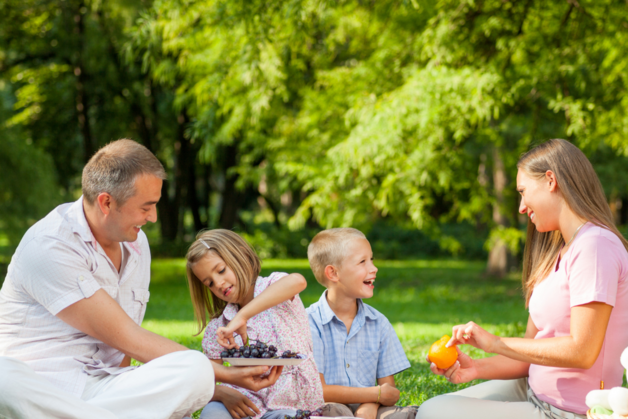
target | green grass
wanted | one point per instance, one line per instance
(422, 299)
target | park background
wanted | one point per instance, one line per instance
(403, 118)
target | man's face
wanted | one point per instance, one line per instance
(124, 221)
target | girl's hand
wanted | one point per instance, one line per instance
(474, 335)
(238, 405)
(462, 371)
(225, 334)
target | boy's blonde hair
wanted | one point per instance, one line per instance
(329, 247)
(238, 255)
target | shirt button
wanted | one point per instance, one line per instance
(347, 365)
(81, 278)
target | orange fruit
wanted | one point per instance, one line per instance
(442, 356)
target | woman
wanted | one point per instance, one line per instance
(575, 276)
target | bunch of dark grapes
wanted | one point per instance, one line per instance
(257, 350)
(301, 414)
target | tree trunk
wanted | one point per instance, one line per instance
(192, 193)
(231, 198)
(500, 259)
(82, 102)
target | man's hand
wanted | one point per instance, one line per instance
(390, 395)
(238, 405)
(247, 377)
(367, 410)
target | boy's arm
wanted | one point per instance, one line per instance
(346, 395)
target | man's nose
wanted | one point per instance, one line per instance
(152, 215)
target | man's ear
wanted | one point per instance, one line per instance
(104, 201)
(550, 179)
(331, 273)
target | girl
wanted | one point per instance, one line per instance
(575, 274)
(223, 274)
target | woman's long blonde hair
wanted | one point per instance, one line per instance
(238, 255)
(582, 191)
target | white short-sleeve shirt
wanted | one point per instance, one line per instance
(57, 263)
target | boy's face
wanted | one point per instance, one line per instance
(357, 273)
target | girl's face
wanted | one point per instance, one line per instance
(540, 200)
(214, 273)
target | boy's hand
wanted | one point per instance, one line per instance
(238, 405)
(225, 334)
(367, 411)
(390, 395)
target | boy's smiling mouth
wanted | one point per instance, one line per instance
(370, 282)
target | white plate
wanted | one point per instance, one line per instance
(247, 362)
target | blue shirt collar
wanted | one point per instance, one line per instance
(327, 314)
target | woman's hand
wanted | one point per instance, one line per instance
(474, 335)
(462, 371)
(238, 405)
(225, 335)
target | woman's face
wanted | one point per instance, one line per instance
(214, 273)
(539, 200)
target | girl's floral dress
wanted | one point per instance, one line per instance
(287, 327)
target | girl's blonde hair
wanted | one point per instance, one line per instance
(582, 191)
(238, 255)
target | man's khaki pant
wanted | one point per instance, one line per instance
(496, 399)
(169, 387)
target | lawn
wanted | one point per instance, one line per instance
(422, 299)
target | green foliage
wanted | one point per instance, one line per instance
(28, 188)
(392, 109)
(323, 113)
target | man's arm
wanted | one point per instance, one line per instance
(101, 317)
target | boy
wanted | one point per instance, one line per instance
(354, 344)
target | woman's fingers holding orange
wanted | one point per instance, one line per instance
(435, 369)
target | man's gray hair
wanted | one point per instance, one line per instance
(114, 169)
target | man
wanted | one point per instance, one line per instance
(74, 297)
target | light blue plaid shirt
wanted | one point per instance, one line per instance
(370, 351)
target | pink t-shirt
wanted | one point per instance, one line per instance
(287, 327)
(594, 268)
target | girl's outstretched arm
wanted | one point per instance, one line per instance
(284, 289)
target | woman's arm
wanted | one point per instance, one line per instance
(497, 367)
(282, 290)
(578, 350)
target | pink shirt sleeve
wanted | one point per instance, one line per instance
(594, 271)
